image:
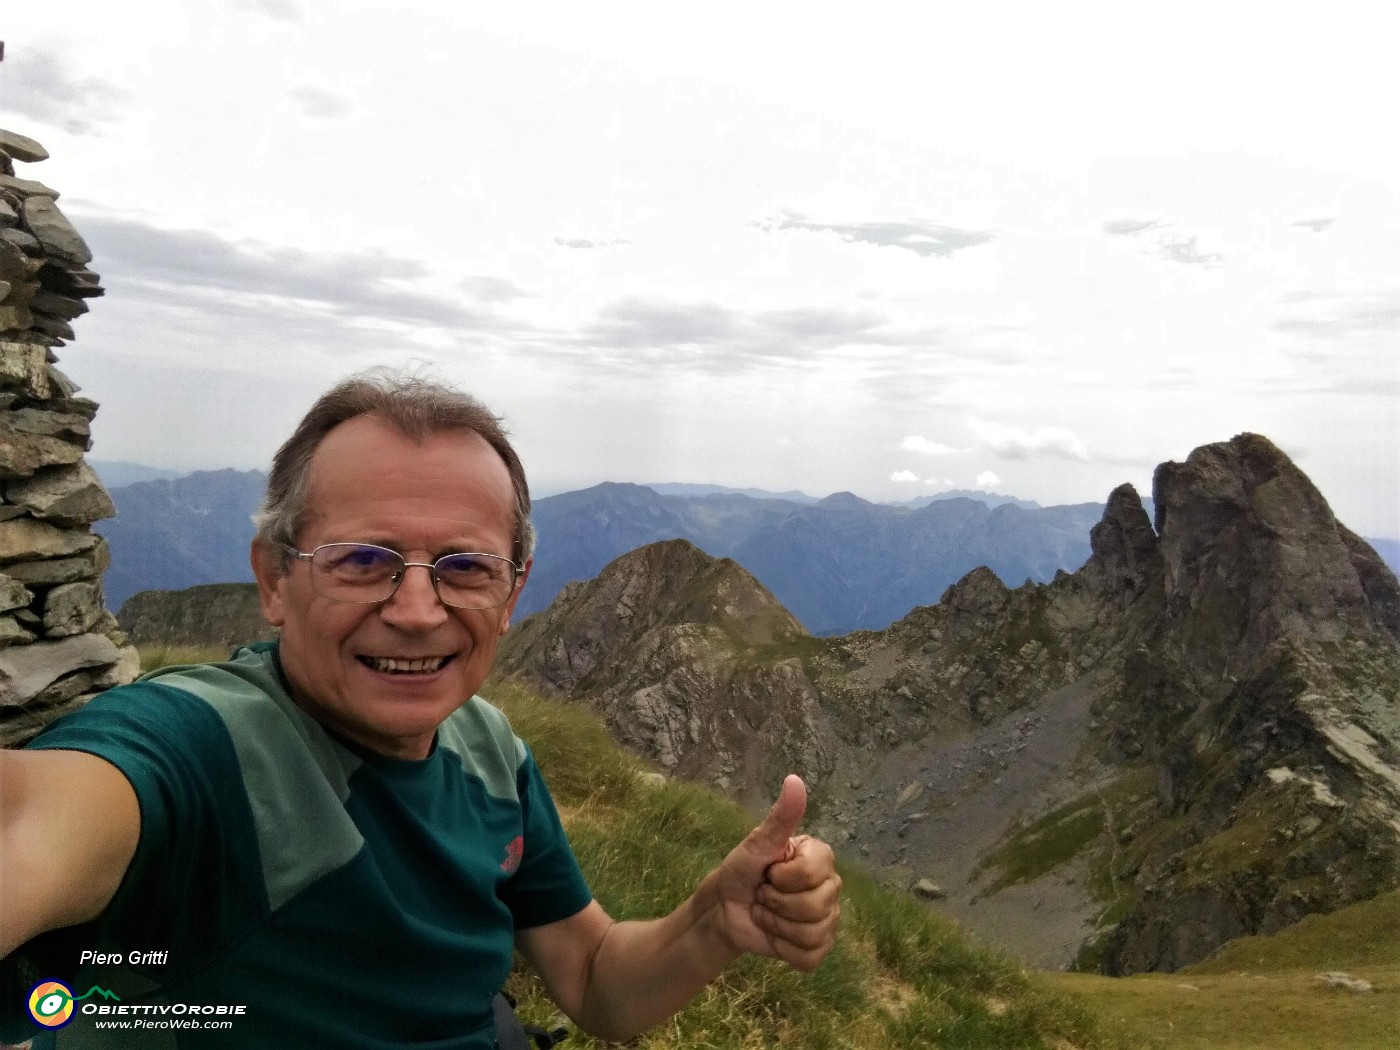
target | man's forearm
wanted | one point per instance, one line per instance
(644, 972)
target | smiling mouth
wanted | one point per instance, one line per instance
(398, 665)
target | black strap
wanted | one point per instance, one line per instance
(511, 1034)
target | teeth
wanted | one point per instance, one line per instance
(394, 665)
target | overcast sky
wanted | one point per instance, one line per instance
(1032, 248)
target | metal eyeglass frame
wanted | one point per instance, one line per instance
(431, 566)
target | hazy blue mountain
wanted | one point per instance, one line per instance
(687, 489)
(991, 499)
(173, 533)
(116, 473)
(839, 564)
(845, 564)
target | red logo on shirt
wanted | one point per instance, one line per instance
(514, 852)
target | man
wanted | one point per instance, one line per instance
(331, 838)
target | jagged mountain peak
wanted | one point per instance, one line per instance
(1247, 538)
(690, 660)
(980, 592)
(594, 627)
(674, 581)
(1123, 543)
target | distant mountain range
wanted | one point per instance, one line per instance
(838, 564)
(172, 533)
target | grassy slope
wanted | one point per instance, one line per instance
(1256, 991)
(1264, 991)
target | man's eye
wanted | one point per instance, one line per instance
(362, 559)
(462, 567)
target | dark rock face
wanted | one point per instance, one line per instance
(1243, 655)
(1265, 691)
(213, 614)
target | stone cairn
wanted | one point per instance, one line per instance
(59, 646)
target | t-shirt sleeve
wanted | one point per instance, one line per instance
(196, 828)
(548, 885)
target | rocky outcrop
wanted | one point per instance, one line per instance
(58, 644)
(691, 663)
(1267, 693)
(1220, 693)
(211, 614)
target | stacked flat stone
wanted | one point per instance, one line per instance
(59, 646)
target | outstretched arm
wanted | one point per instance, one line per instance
(775, 894)
(69, 824)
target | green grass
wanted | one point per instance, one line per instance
(1040, 847)
(1263, 991)
(154, 657)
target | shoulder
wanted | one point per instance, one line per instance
(481, 737)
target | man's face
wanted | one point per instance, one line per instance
(372, 484)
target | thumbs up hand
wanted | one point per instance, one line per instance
(779, 891)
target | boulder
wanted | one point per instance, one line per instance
(22, 147)
(25, 540)
(12, 632)
(70, 495)
(57, 305)
(1337, 979)
(22, 454)
(86, 565)
(929, 890)
(13, 594)
(27, 670)
(24, 368)
(72, 608)
(53, 230)
(26, 187)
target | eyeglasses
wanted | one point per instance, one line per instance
(365, 574)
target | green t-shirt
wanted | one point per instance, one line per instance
(326, 896)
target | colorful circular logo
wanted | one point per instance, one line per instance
(51, 1004)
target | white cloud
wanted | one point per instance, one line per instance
(922, 445)
(914, 235)
(590, 242)
(320, 102)
(1317, 225)
(278, 10)
(988, 481)
(42, 86)
(1181, 248)
(1015, 443)
(1129, 227)
(904, 475)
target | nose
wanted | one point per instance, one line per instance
(414, 606)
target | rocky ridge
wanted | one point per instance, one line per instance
(1211, 704)
(58, 644)
(209, 614)
(689, 660)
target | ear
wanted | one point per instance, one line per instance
(515, 597)
(267, 570)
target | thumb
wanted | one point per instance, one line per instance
(770, 838)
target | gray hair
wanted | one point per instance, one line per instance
(418, 407)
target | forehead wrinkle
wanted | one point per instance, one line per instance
(450, 490)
